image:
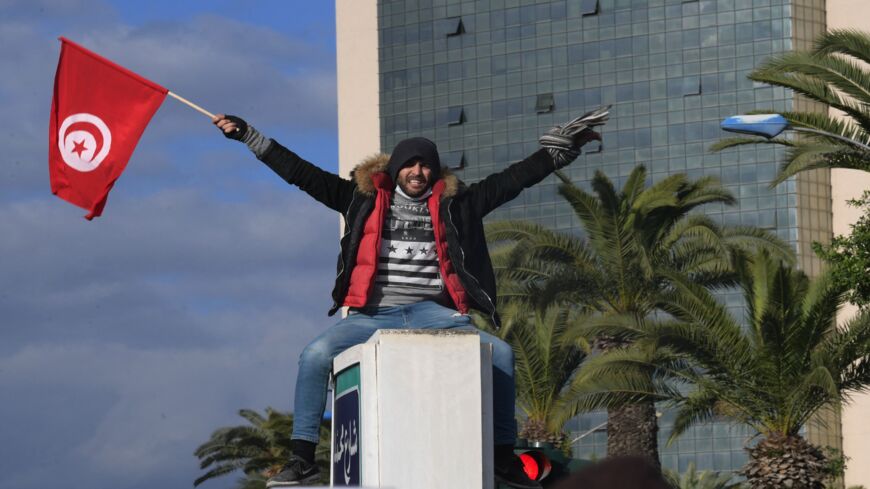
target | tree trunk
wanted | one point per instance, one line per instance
(781, 461)
(535, 430)
(633, 430)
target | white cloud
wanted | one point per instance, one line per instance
(173, 257)
(164, 403)
(229, 66)
(281, 84)
(125, 341)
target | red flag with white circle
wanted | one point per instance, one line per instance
(98, 113)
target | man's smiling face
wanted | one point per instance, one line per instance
(414, 178)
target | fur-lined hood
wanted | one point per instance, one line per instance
(362, 175)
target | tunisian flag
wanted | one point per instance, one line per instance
(98, 113)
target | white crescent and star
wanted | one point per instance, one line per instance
(79, 148)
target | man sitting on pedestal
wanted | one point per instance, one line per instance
(413, 255)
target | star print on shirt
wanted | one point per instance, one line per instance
(409, 250)
(392, 249)
(424, 251)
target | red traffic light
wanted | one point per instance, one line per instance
(536, 465)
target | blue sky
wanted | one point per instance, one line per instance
(124, 342)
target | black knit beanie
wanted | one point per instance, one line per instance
(412, 149)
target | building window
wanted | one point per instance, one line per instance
(589, 7)
(682, 87)
(544, 103)
(455, 116)
(692, 85)
(451, 27)
(453, 160)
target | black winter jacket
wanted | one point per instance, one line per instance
(463, 208)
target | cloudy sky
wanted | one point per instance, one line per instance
(125, 341)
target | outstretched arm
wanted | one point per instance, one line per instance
(560, 146)
(328, 188)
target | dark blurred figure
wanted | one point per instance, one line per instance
(616, 473)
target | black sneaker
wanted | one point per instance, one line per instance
(510, 472)
(297, 472)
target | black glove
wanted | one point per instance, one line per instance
(241, 128)
(585, 136)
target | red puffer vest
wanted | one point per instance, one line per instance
(366, 269)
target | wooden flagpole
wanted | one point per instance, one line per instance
(190, 104)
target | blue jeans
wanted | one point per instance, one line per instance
(315, 363)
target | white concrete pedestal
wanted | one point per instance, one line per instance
(413, 409)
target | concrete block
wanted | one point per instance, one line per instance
(413, 409)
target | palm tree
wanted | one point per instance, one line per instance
(785, 363)
(633, 240)
(545, 364)
(259, 449)
(834, 73)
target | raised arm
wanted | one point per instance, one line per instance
(326, 187)
(499, 188)
(560, 146)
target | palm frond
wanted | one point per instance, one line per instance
(664, 193)
(622, 327)
(261, 444)
(544, 362)
(216, 472)
(817, 388)
(634, 185)
(851, 42)
(696, 408)
(838, 73)
(606, 192)
(616, 391)
(813, 88)
(848, 352)
(826, 123)
(733, 142)
(752, 240)
(692, 237)
(705, 190)
(596, 219)
(253, 417)
(806, 156)
(537, 241)
(819, 305)
(708, 333)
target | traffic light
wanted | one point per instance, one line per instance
(547, 464)
(536, 465)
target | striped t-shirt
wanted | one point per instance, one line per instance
(408, 269)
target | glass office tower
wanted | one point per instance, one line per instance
(484, 78)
